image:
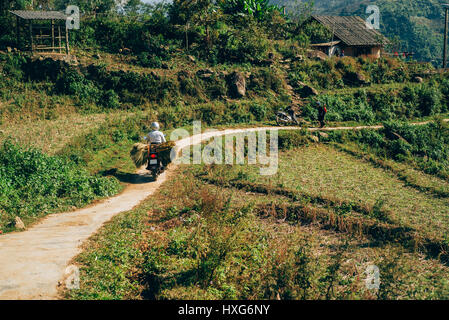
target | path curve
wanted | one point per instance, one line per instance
(33, 262)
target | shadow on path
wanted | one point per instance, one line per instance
(126, 177)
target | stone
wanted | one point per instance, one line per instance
(205, 73)
(317, 55)
(191, 58)
(237, 84)
(18, 223)
(323, 134)
(306, 90)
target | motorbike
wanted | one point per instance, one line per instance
(155, 165)
(284, 119)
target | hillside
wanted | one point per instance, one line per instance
(368, 189)
(418, 24)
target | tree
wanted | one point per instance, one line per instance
(90, 7)
(256, 8)
(198, 12)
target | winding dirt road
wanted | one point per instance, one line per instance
(33, 262)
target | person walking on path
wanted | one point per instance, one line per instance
(321, 113)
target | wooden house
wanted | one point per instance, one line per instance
(350, 36)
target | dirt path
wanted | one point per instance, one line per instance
(33, 262)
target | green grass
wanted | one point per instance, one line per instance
(321, 170)
(197, 241)
(33, 184)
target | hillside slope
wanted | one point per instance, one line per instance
(418, 24)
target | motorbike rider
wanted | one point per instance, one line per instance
(155, 136)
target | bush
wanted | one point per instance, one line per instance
(149, 60)
(265, 79)
(74, 83)
(32, 183)
(293, 139)
(240, 46)
(259, 111)
(13, 65)
(424, 146)
(429, 100)
(110, 100)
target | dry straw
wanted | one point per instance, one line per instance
(139, 153)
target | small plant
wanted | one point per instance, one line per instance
(110, 100)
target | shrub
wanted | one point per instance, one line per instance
(110, 100)
(13, 65)
(246, 45)
(259, 111)
(429, 100)
(32, 183)
(149, 60)
(74, 83)
(292, 139)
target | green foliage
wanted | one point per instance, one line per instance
(110, 100)
(418, 24)
(256, 8)
(34, 184)
(149, 60)
(293, 139)
(259, 111)
(74, 83)
(13, 65)
(316, 32)
(241, 45)
(384, 103)
(337, 73)
(424, 146)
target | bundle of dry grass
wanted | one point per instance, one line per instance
(164, 150)
(139, 154)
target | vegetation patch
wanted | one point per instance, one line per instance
(33, 184)
(192, 241)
